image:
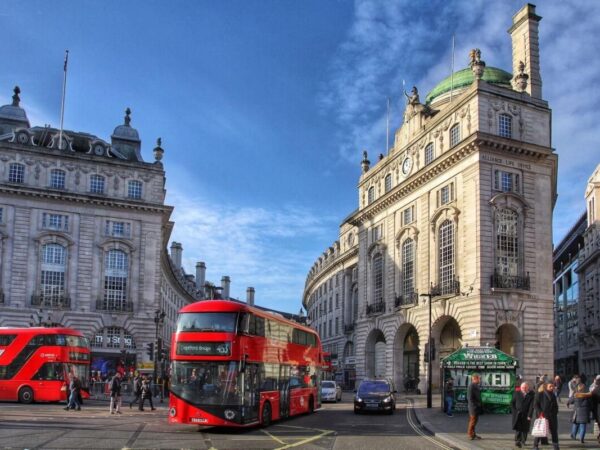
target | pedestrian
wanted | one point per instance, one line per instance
(449, 396)
(581, 413)
(146, 394)
(557, 387)
(137, 391)
(115, 394)
(522, 408)
(474, 404)
(572, 386)
(74, 393)
(546, 406)
(595, 404)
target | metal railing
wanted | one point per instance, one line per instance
(406, 300)
(451, 287)
(500, 281)
(105, 305)
(100, 390)
(51, 301)
(375, 308)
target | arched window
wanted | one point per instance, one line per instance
(505, 125)
(454, 135)
(408, 269)
(52, 280)
(429, 153)
(57, 179)
(446, 257)
(116, 273)
(507, 242)
(377, 270)
(388, 182)
(370, 195)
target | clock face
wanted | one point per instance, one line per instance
(99, 150)
(23, 138)
(406, 165)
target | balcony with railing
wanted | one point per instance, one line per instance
(51, 301)
(447, 288)
(114, 306)
(348, 328)
(410, 299)
(375, 308)
(499, 281)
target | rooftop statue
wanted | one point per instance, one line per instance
(413, 98)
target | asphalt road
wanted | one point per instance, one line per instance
(334, 426)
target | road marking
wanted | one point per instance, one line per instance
(307, 440)
(274, 437)
(135, 435)
(417, 428)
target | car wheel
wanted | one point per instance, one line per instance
(26, 395)
(311, 405)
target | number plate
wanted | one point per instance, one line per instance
(198, 420)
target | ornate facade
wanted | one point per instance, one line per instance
(459, 214)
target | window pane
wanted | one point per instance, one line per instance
(507, 243)
(446, 256)
(97, 184)
(505, 125)
(134, 189)
(388, 183)
(57, 179)
(371, 195)
(454, 135)
(429, 154)
(377, 278)
(408, 260)
(16, 173)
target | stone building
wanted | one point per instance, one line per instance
(456, 217)
(83, 233)
(588, 270)
(566, 300)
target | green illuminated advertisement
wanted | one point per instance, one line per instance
(498, 374)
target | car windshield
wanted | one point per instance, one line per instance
(211, 321)
(328, 384)
(207, 383)
(373, 387)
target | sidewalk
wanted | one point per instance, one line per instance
(495, 429)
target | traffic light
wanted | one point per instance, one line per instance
(150, 350)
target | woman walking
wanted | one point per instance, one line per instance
(546, 406)
(581, 412)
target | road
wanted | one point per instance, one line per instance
(334, 426)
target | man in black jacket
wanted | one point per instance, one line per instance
(545, 405)
(522, 405)
(474, 404)
(115, 394)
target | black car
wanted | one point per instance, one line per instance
(375, 395)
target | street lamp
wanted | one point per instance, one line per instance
(429, 296)
(159, 318)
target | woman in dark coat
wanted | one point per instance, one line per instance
(545, 404)
(522, 405)
(581, 412)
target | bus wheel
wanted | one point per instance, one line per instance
(311, 405)
(25, 395)
(266, 415)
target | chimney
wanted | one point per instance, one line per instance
(526, 47)
(250, 296)
(225, 283)
(176, 251)
(200, 275)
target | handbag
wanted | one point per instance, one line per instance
(540, 427)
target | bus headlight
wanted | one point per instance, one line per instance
(229, 414)
(172, 412)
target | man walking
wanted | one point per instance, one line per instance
(146, 394)
(137, 390)
(74, 388)
(474, 404)
(522, 409)
(115, 394)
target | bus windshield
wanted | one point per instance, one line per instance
(207, 383)
(209, 321)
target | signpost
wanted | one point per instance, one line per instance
(498, 374)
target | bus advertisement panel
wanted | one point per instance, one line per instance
(236, 365)
(35, 363)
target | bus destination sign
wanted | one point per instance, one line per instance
(204, 348)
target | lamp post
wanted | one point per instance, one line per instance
(159, 318)
(429, 295)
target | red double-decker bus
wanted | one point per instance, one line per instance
(236, 365)
(35, 363)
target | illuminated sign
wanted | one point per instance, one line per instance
(204, 348)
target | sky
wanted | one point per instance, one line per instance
(264, 107)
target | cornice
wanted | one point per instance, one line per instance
(343, 258)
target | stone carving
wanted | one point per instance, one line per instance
(77, 178)
(36, 172)
(521, 78)
(508, 316)
(414, 106)
(476, 63)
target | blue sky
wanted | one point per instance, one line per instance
(264, 107)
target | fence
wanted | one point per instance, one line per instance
(100, 390)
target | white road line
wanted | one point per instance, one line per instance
(418, 430)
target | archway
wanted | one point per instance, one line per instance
(508, 340)
(375, 355)
(406, 357)
(447, 337)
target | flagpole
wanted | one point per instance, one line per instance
(452, 72)
(62, 106)
(387, 130)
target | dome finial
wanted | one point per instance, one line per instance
(476, 63)
(365, 163)
(127, 116)
(158, 150)
(16, 99)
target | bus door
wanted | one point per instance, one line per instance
(284, 390)
(251, 395)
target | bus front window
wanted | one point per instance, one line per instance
(207, 383)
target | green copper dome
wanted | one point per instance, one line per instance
(465, 77)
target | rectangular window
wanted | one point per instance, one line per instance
(134, 189)
(388, 183)
(57, 179)
(115, 293)
(446, 194)
(330, 328)
(505, 125)
(117, 229)
(408, 215)
(16, 173)
(97, 184)
(454, 135)
(57, 222)
(377, 232)
(507, 181)
(337, 301)
(429, 153)
(337, 325)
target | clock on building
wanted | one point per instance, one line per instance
(99, 150)
(406, 165)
